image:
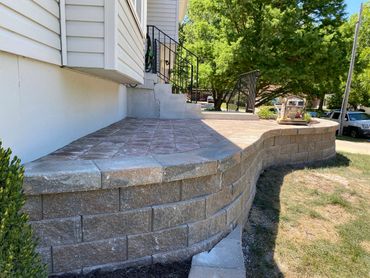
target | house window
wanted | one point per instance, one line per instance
(138, 5)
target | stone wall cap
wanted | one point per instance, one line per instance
(46, 177)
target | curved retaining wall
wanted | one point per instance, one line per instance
(114, 214)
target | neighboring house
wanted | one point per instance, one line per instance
(68, 67)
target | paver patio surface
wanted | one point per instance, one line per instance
(145, 137)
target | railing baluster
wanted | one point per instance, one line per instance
(182, 67)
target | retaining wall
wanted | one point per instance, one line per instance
(113, 214)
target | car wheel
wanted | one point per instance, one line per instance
(354, 133)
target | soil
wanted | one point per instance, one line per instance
(174, 270)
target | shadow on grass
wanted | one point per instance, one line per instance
(260, 233)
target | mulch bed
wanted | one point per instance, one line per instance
(174, 270)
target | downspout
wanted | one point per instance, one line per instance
(63, 33)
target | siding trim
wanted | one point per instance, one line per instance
(110, 38)
(63, 32)
(137, 20)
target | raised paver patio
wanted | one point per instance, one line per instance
(147, 191)
(147, 137)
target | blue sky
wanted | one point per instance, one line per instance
(353, 6)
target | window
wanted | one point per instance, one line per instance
(336, 115)
(138, 5)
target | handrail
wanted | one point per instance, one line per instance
(172, 62)
(246, 85)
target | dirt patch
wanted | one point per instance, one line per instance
(335, 214)
(310, 229)
(174, 270)
(366, 246)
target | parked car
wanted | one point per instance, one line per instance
(313, 114)
(356, 123)
(210, 99)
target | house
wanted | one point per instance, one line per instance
(71, 67)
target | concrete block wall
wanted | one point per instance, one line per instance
(161, 211)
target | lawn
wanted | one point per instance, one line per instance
(312, 221)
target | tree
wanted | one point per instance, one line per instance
(360, 90)
(295, 44)
(18, 257)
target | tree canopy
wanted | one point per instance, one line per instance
(296, 45)
(360, 89)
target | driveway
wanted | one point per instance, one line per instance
(349, 145)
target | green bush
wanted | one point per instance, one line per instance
(267, 112)
(18, 257)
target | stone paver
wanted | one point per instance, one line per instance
(150, 137)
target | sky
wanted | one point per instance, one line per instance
(353, 6)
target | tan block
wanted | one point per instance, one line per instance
(282, 140)
(53, 232)
(80, 203)
(171, 215)
(102, 226)
(217, 201)
(152, 243)
(196, 187)
(231, 175)
(154, 194)
(75, 257)
(269, 142)
(289, 148)
(33, 207)
(204, 229)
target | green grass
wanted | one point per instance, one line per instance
(311, 222)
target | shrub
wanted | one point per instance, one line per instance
(307, 117)
(18, 257)
(267, 112)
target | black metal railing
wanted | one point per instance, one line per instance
(244, 92)
(172, 62)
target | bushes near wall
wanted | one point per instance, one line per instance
(267, 112)
(18, 256)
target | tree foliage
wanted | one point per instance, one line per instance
(18, 257)
(296, 45)
(360, 89)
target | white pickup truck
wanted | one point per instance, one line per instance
(356, 123)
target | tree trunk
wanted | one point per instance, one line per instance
(218, 103)
(322, 99)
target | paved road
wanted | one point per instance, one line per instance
(362, 147)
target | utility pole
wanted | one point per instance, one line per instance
(349, 79)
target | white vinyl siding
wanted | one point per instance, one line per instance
(164, 15)
(31, 28)
(85, 33)
(130, 43)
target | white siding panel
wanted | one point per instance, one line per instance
(86, 2)
(89, 45)
(85, 33)
(34, 12)
(85, 29)
(85, 13)
(17, 44)
(32, 29)
(50, 6)
(164, 15)
(130, 43)
(87, 60)
(21, 25)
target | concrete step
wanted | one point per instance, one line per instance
(216, 115)
(225, 260)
